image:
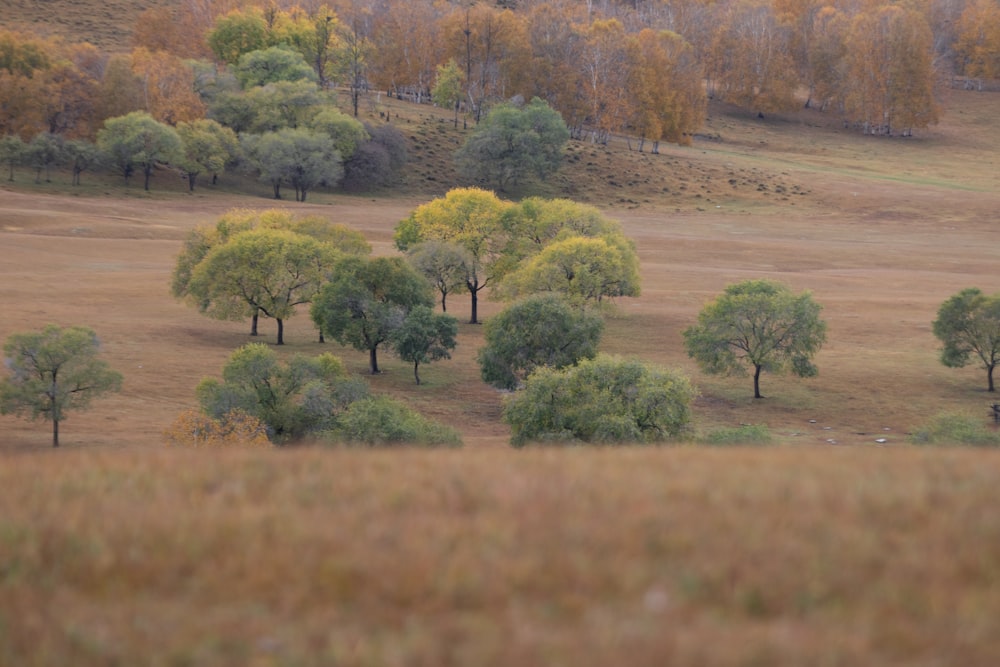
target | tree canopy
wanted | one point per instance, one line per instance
(968, 325)
(137, 140)
(758, 323)
(366, 301)
(425, 336)
(601, 400)
(512, 143)
(54, 371)
(541, 330)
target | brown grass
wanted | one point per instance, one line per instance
(118, 551)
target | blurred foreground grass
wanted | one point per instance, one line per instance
(577, 556)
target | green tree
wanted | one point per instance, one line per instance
(445, 265)
(81, 156)
(448, 86)
(760, 323)
(208, 147)
(366, 301)
(302, 158)
(201, 240)
(237, 33)
(382, 420)
(292, 398)
(512, 143)
(270, 271)
(425, 336)
(968, 324)
(601, 400)
(12, 151)
(44, 150)
(54, 371)
(579, 268)
(270, 65)
(473, 219)
(137, 140)
(279, 105)
(346, 132)
(541, 330)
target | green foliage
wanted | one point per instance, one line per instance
(136, 140)
(956, 429)
(381, 420)
(347, 133)
(968, 324)
(301, 158)
(81, 155)
(512, 143)
(52, 372)
(448, 83)
(581, 269)
(208, 147)
(445, 266)
(270, 271)
(425, 336)
(472, 218)
(237, 33)
(541, 330)
(600, 400)
(270, 65)
(745, 434)
(366, 301)
(12, 149)
(43, 151)
(303, 395)
(761, 324)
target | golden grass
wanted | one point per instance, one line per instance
(640, 556)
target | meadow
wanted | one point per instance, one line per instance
(825, 547)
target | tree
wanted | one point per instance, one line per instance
(43, 151)
(270, 271)
(355, 54)
(347, 133)
(968, 324)
(167, 86)
(445, 266)
(377, 162)
(366, 301)
(541, 330)
(137, 140)
(12, 149)
(760, 323)
(300, 396)
(580, 269)
(512, 143)
(977, 46)
(302, 158)
(208, 147)
(237, 33)
(473, 219)
(81, 156)
(447, 91)
(270, 65)
(602, 400)
(425, 336)
(54, 371)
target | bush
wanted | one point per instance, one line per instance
(380, 420)
(603, 400)
(956, 429)
(745, 434)
(236, 428)
(378, 162)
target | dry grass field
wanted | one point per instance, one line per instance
(822, 549)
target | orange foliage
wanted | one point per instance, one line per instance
(235, 429)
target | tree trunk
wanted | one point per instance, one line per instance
(281, 331)
(253, 323)
(191, 179)
(989, 377)
(416, 375)
(55, 432)
(148, 172)
(373, 361)
(756, 381)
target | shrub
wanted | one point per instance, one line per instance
(380, 420)
(956, 429)
(603, 400)
(236, 428)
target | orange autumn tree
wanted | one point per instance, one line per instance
(167, 86)
(977, 46)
